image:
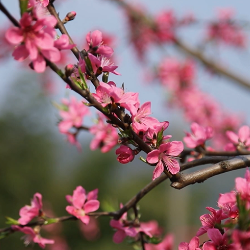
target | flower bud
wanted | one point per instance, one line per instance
(125, 154)
(70, 16)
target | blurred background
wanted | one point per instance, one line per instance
(35, 157)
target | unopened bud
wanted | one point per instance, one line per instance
(69, 69)
(70, 16)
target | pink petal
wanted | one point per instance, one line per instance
(85, 219)
(53, 54)
(172, 165)
(183, 246)
(20, 53)
(105, 50)
(119, 236)
(215, 235)
(175, 148)
(92, 195)
(153, 156)
(232, 137)
(14, 35)
(244, 133)
(39, 64)
(79, 197)
(158, 170)
(194, 243)
(91, 206)
(31, 47)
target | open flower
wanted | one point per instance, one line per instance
(82, 203)
(27, 213)
(165, 156)
(33, 235)
(198, 136)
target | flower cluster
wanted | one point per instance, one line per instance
(133, 229)
(35, 37)
(225, 30)
(229, 226)
(197, 106)
(27, 213)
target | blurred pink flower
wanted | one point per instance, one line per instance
(192, 245)
(198, 136)
(27, 213)
(82, 203)
(106, 136)
(33, 236)
(73, 116)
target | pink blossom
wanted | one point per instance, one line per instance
(198, 136)
(226, 31)
(141, 121)
(227, 202)
(176, 75)
(27, 213)
(193, 245)
(34, 39)
(33, 236)
(95, 42)
(123, 228)
(210, 220)
(72, 140)
(241, 239)
(82, 203)
(73, 116)
(63, 43)
(218, 241)
(106, 136)
(165, 156)
(125, 154)
(151, 135)
(108, 93)
(242, 140)
(104, 64)
(242, 185)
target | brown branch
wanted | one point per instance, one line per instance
(197, 54)
(139, 196)
(203, 161)
(42, 222)
(204, 174)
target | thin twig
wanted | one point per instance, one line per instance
(10, 17)
(62, 28)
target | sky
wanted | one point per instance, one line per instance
(106, 16)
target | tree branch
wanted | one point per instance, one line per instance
(197, 54)
(204, 174)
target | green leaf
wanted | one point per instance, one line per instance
(143, 159)
(11, 221)
(23, 4)
(159, 138)
(88, 63)
(85, 86)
